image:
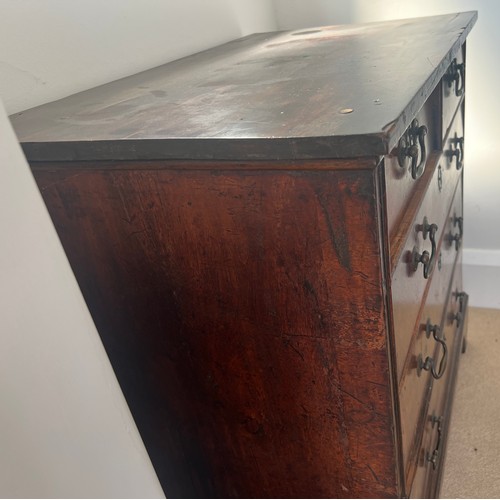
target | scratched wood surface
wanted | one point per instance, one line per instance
(330, 92)
(244, 315)
(235, 220)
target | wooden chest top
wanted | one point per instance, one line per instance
(330, 92)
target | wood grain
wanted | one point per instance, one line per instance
(241, 230)
(231, 306)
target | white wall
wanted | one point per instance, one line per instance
(482, 173)
(53, 48)
(295, 14)
(65, 429)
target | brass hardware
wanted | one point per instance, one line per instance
(429, 364)
(460, 296)
(463, 299)
(434, 456)
(430, 328)
(457, 238)
(440, 178)
(428, 260)
(456, 74)
(412, 145)
(459, 316)
(458, 151)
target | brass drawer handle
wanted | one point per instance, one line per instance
(429, 364)
(409, 145)
(428, 260)
(457, 238)
(458, 152)
(456, 76)
(461, 297)
(459, 316)
(434, 456)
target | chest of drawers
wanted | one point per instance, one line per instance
(268, 236)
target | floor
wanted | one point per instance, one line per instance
(472, 464)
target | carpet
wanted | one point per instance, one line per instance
(472, 462)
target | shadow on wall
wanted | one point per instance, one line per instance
(295, 14)
(66, 430)
(74, 46)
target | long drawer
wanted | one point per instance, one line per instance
(416, 379)
(431, 449)
(409, 280)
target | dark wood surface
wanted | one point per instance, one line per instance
(267, 96)
(413, 386)
(426, 482)
(449, 95)
(234, 307)
(243, 248)
(409, 288)
(402, 190)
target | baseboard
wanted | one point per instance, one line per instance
(482, 277)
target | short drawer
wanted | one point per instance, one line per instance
(409, 280)
(452, 89)
(426, 344)
(453, 145)
(438, 185)
(402, 181)
(428, 461)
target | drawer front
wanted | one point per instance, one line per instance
(418, 375)
(453, 328)
(453, 145)
(429, 459)
(409, 284)
(439, 185)
(401, 184)
(453, 88)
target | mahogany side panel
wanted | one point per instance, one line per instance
(244, 315)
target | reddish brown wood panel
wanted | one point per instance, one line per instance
(244, 315)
